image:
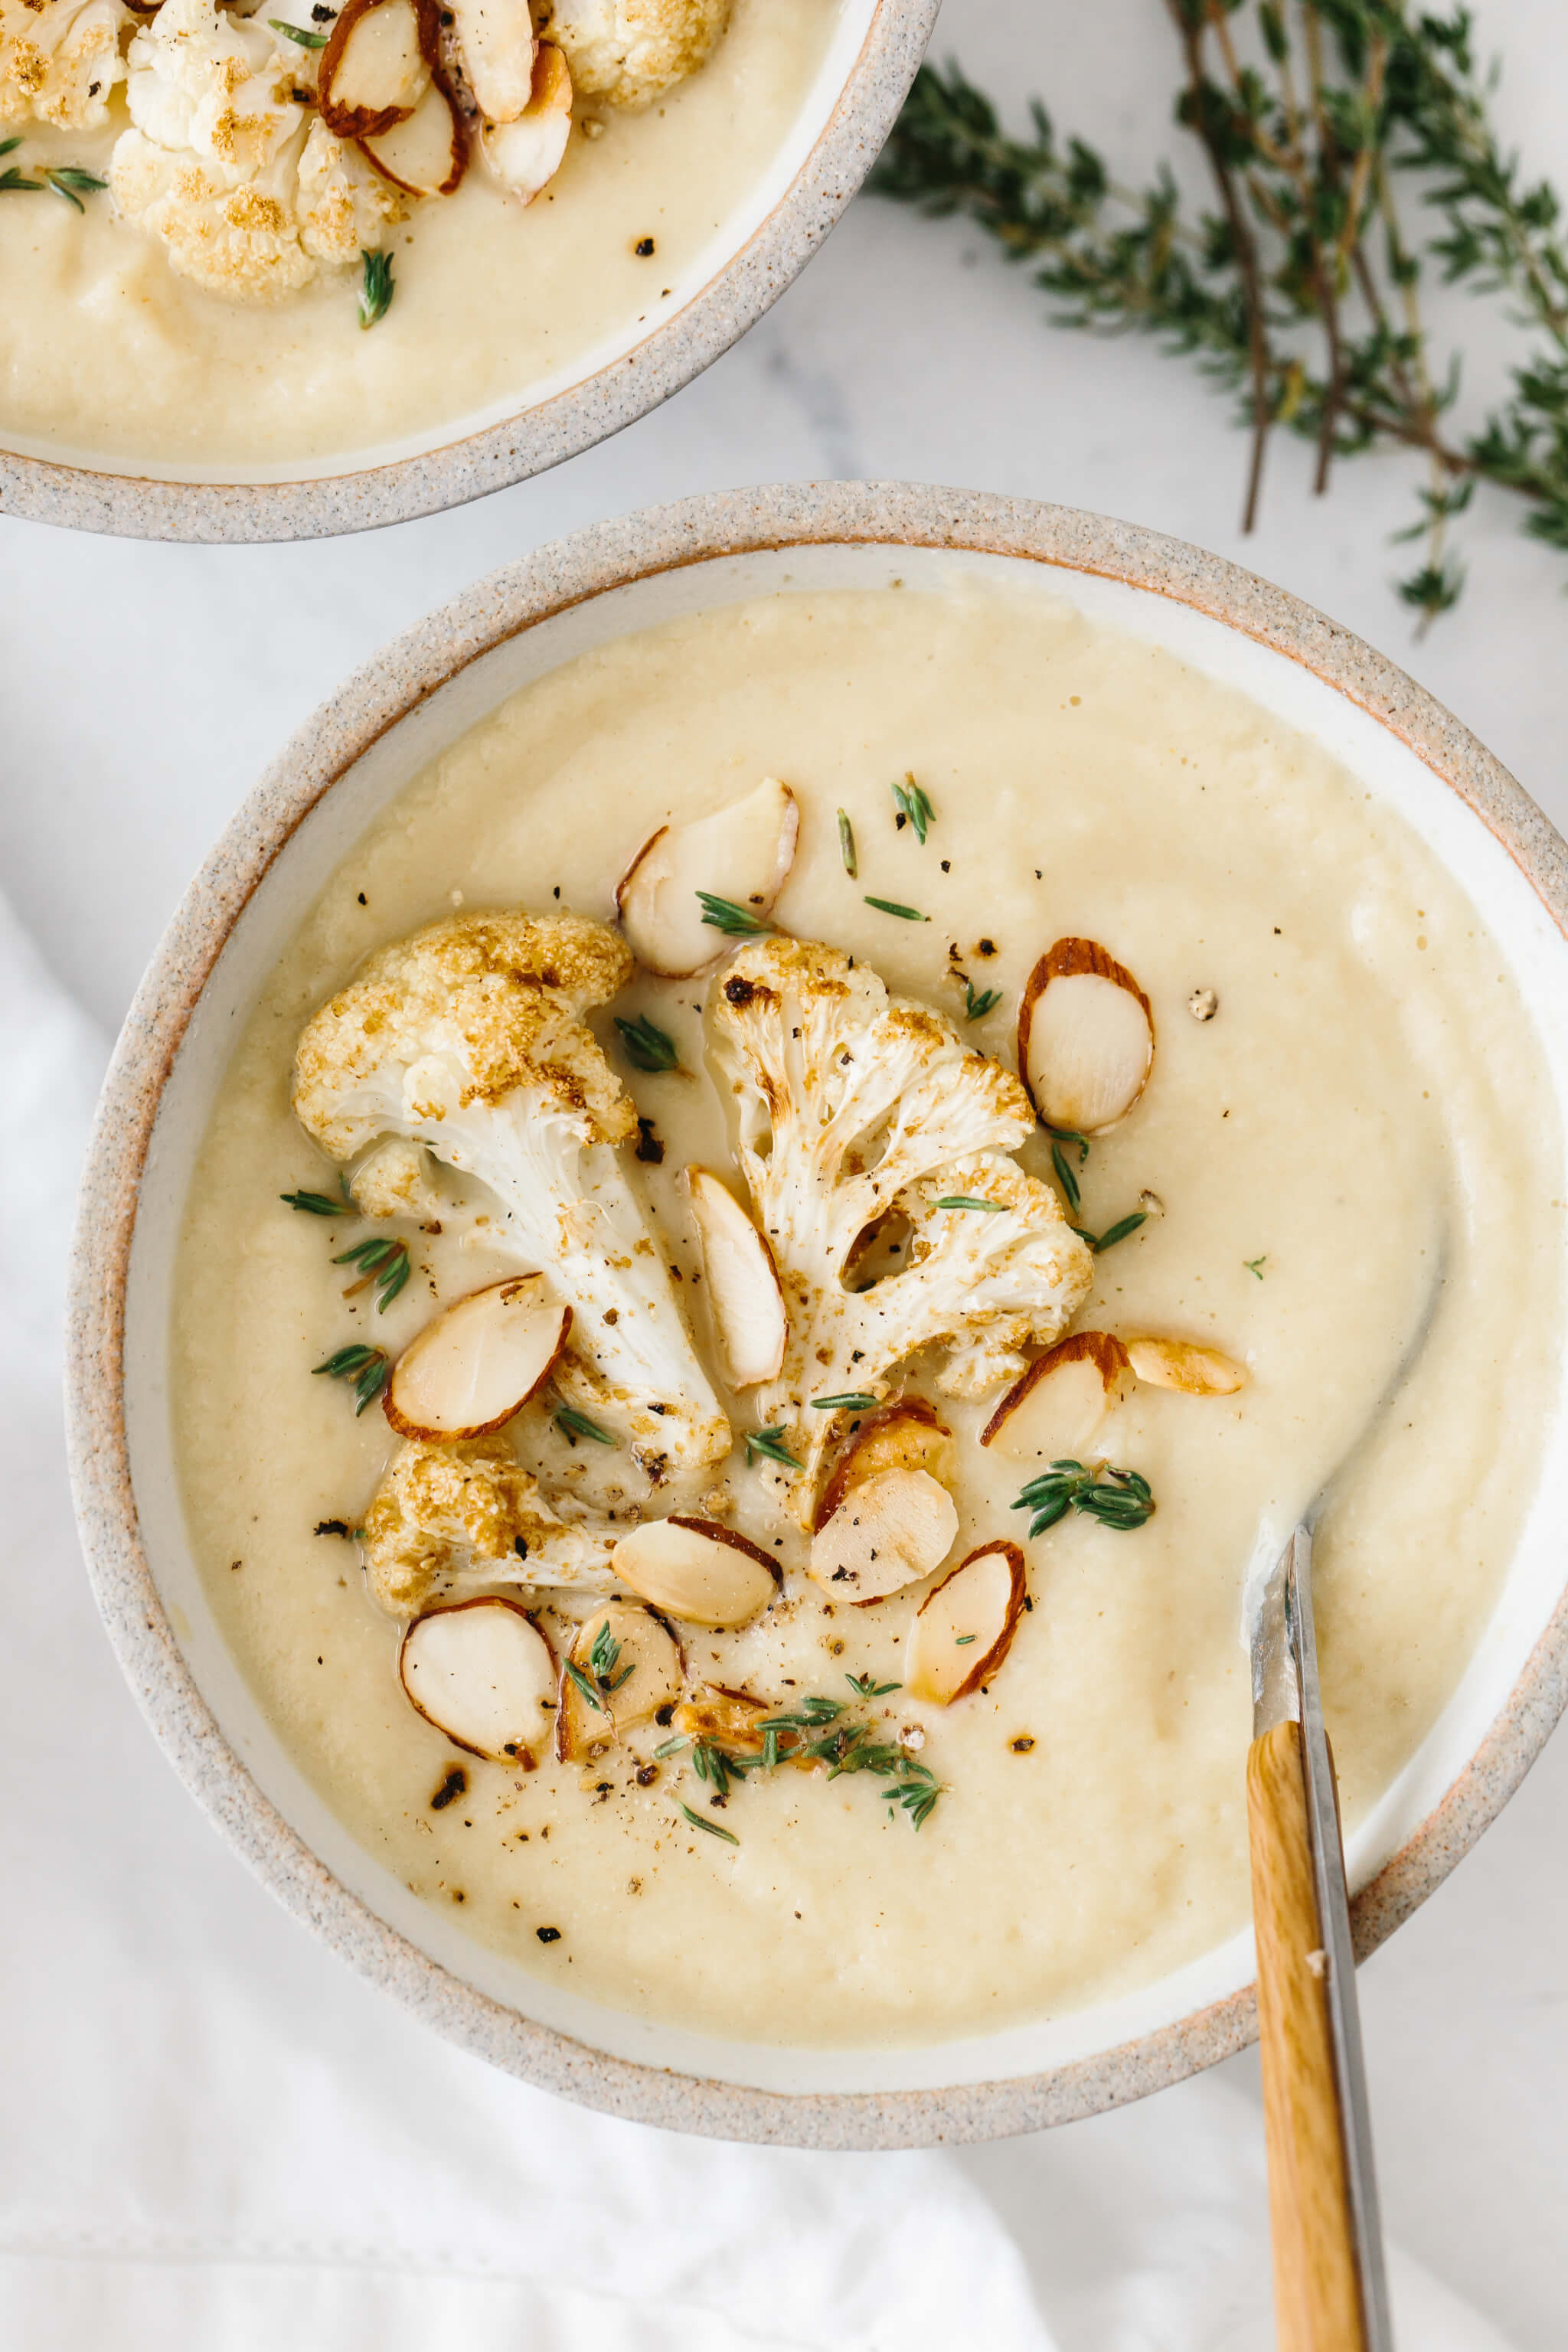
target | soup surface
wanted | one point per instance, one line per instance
(1354, 1136)
(107, 354)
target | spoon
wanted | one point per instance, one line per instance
(1331, 2292)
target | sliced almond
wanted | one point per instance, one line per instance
(697, 1569)
(890, 1530)
(377, 65)
(484, 1675)
(1051, 1411)
(733, 1717)
(427, 154)
(964, 1630)
(1181, 1364)
(1085, 1037)
(498, 45)
(743, 1289)
(643, 1670)
(742, 853)
(906, 1435)
(525, 153)
(479, 1363)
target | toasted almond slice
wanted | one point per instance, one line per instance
(906, 1435)
(482, 1672)
(1085, 1037)
(890, 1530)
(479, 1363)
(697, 1569)
(964, 1630)
(1051, 1411)
(729, 1716)
(498, 45)
(525, 153)
(645, 1671)
(742, 853)
(1181, 1364)
(427, 154)
(743, 1289)
(377, 65)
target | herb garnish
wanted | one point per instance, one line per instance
(1067, 1176)
(913, 802)
(975, 1008)
(856, 1402)
(70, 181)
(814, 1732)
(770, 1445)
(864, 1687)
(376, 288)
(367, 1368)
(1255, 1266)
(713, 1828)
(846, 844)
(294, 33)
(386, 1263)
(577, 1424)
(1121, 1499)
(891, 906)
(11, 178)
(322, 1204)
(735, 922)
(648, 1048)
(1112, 1234)
(964, 1200)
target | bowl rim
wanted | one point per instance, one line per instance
(355, 498)
(600, 559)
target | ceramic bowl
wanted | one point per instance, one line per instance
(754, 253)
(358, 751)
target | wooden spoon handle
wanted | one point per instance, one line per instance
(1316, 2290)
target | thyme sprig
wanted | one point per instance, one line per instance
(846, 844)
(646, 1047)
(975, 1007)
(379, 1260)
(816, 1732)
(864, 1687)
(714, 1829)
(600, 1682)
(1112, 1234)
(12, 179)
(366, 1369)
(376, 288)
(323, 1204)
(1067, 1174)
(967, 1200)
(70, 181)
(854, 1400)
(1300, 290)
(769, 1446)
(892, 907)
(574, 1424)
(1116, 1498)
(724, 915)
(911, 803)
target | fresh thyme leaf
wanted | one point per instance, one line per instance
(67, 180)
(577, 1424)
(1112, 1234)
(770, 1445)
(648, 1048)
(12, 180)
(366, 1368)
(965, 1201)
(714, 1829)
(320, 1204)
(382, 1261)
(735, 922)
(857, 1401)
(1116, 1498)
(963, 1641)
(376, 288)
(1064, 1176)
(846, 844)
(7, 145)
(911, 803)
(296, 33)
(891, 906)
(604, 1654)
(584, 1685)
(864, 1687)
(1255, 1266)
(975, 1008)
(672, 1746)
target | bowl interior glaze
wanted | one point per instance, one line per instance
(354, 757)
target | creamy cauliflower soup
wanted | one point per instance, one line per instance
(760, 1262)
(254, 238)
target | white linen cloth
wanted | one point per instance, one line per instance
(219, 2140)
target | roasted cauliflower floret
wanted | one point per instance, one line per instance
(60, 60)
(249, 193)
(855, 1108)
(469, 1039)
(449, 1518)
(393, 1183)
(627, 52)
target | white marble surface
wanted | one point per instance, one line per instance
(144, 686)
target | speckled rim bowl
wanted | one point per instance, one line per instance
(764, 242)
(360, 750)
